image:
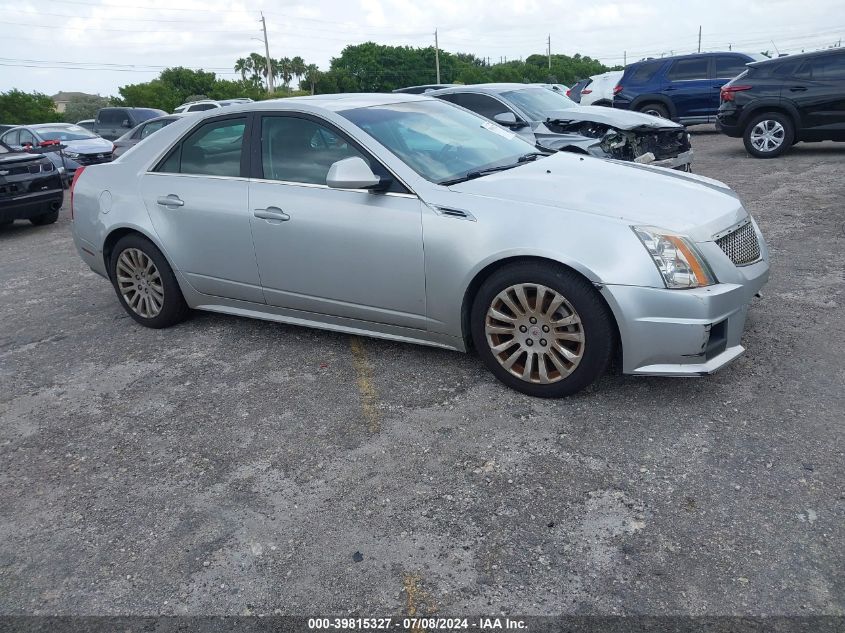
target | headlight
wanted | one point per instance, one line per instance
(679, 262)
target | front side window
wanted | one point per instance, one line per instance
(214, 149)
(301, 150)
(438, 141)
(539, 103)
(685, 69)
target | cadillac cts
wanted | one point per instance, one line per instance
(404, 217)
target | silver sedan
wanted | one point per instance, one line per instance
(406, 218)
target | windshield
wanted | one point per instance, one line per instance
(69, 133)
(439, 141)
(539, 103)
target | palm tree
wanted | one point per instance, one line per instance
(312, 74)
(284, 70)
(259, 66)
(297, 68)
(243, 65)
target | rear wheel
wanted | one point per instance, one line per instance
(769, 135)
(46, 218)
(655, 109)
(145, 283)
(542, 330)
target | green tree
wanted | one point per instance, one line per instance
(298, 68)
(19, 108)
(83, 107)
(312, 75)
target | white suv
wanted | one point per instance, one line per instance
(207, 104)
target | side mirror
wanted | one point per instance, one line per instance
(352, 173)
(126, 123)
(505, 118)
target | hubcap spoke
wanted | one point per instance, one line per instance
(534, 333)
(139, 283)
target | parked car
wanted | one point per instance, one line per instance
(418, 90)
(88, 124)
(552, 121)
(684, 88)
(140, 132)
(208, 104)
(556, 87)
(112, 123)
(4, 127)
(406, 218)
(67, 145)
(777, 103)
(596, 90)
(30, 187)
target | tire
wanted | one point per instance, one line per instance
(142, 278)
(655, 109)
(585, 328)
(46, 218)
(769, 135)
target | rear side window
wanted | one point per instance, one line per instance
(11, 138)
(685, 69)
(480, 104)
(728, 66)
(214, 149)
(112, 116)
(829, 67)
(645, 71)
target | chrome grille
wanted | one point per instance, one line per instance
(741, 245)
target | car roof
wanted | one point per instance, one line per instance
(332, 102)
(491, 88)
(799, 56)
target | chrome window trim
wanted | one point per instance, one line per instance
(170, 173)
(312, 185)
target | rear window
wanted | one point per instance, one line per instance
(685, 69)
(644, 71)
(112, 116)
(727, 66)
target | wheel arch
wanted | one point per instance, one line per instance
(776, 106)
(645, 99)
(482, 275)
(117, 233)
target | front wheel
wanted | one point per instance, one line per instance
(768, 135)
(145, 283)
(542, 330)
(655, 109)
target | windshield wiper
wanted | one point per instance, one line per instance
(478, 173)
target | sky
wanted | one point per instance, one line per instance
(95, 46)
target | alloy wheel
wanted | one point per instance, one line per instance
(139, 283)
(767, 136)
(534, 333)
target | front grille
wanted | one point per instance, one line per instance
(741, 245)
(663, 144)
(94, 159)
(35, 168)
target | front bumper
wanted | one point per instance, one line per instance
(682, 161)
(683, 332)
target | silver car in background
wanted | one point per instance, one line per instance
(402, 217)
(142, 131)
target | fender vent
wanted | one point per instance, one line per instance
(451, 212)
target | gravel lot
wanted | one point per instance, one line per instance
(231, 466)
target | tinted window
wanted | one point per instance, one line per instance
(645, 71)
(26, 137)
(728, 66)
(829, 67)
(214, 150)
(301, 150)
(154, 126)
(112, 116)
(538, 103)
(200, 107)
(688, 69)
(480, 104)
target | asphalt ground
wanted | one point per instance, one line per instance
(232, 466)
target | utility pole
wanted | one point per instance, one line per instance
(699, 38)
(549, 49)
(624, 58)
(270, 87)
(437, 55)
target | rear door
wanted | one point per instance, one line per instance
(340, 252)
(818, 90)
(197, 198)
(690, 88)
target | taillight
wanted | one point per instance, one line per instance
(568, 90)
(617, 89)
(76, 176)
(586, 92)
(728, 93)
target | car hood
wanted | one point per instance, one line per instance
(89, 146)
(622, 119)
(641, 195)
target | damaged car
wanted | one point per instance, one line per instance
(552, 121)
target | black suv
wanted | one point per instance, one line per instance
(684, 88)
(776, 103)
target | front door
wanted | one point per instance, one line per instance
(818, 90)
(197, 198)
(344, 253)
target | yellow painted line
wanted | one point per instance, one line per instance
(366, 388)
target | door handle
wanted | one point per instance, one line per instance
(669, 89)
(798, 89)
(272, 213)
(171, 200)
